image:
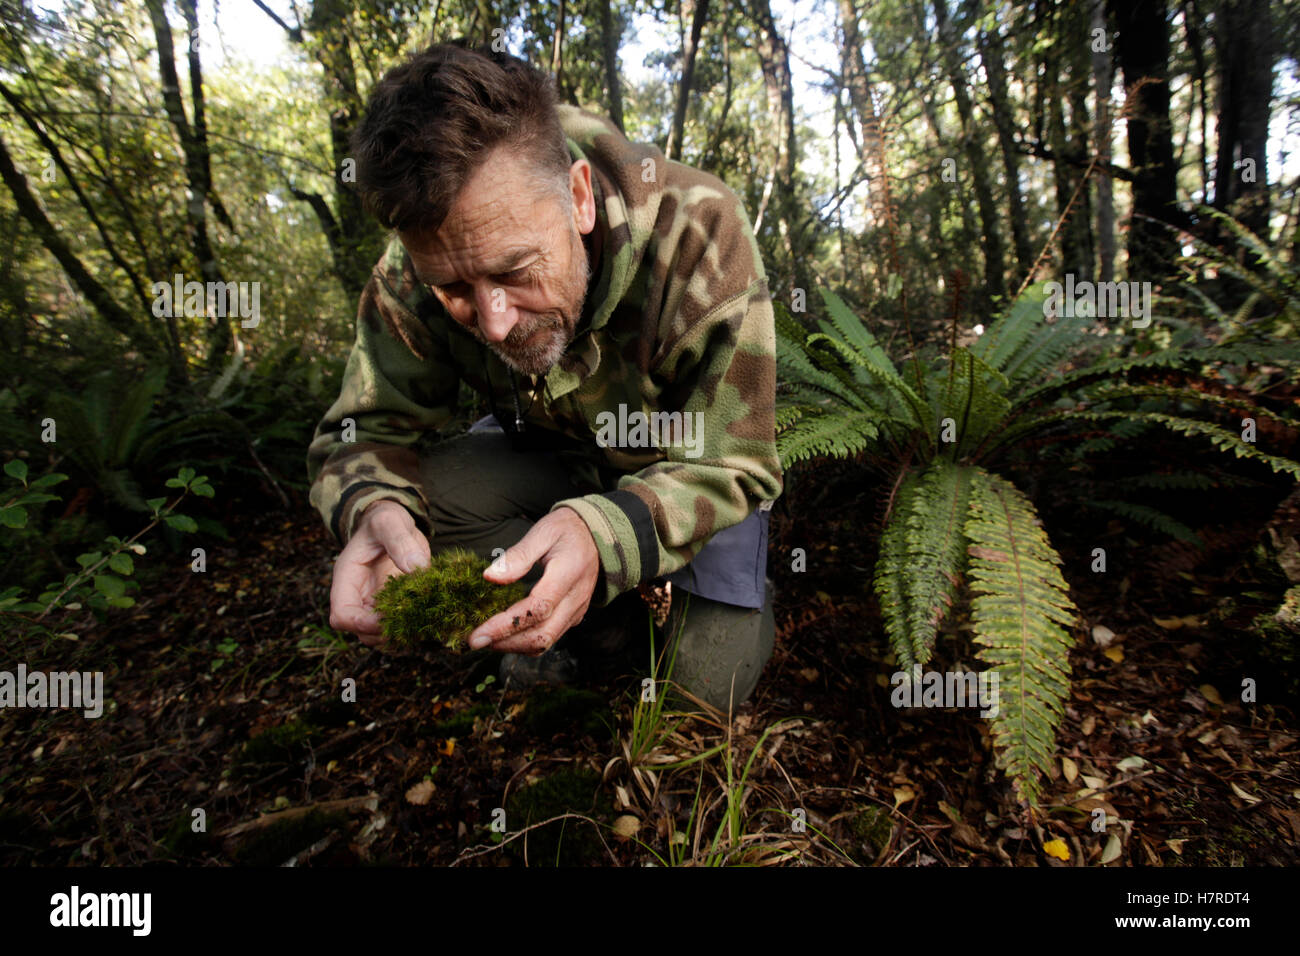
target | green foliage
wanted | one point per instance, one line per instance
(921, 555)
(1022, 615)
(941, 424)
(121, 436)
(443, 602)
(1272, 307)
(104, 575)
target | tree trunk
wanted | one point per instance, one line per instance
(1104, 76)
(117, 318)
(557, 49)
(774, 58)
(1143, 48)
(355, 240)
(610, 43)
(1244, 39)
(690, 48)
(873, 144)
(194, 152)
(1196, 46)
(991, 54)
(991, 234)
(359, 238)
(1067, 75)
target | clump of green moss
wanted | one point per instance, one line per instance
(871, 827)
(279, 745)
(556, 710)
(565, 842)
(180, 842)
(443, 602)
(274, 844)
(461, 723)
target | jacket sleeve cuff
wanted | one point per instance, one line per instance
(361, 495)
(623, 529)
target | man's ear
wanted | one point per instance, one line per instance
(584, 199)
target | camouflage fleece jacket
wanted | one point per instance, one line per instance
(678, 318)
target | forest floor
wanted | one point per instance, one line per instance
(227, 696)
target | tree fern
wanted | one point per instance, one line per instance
(1022, 614)
(841, 396)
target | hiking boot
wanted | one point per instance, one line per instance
(721, 651)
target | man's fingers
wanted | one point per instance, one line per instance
(532, 612)
(532, 643)
(518, 560)
(533, 637)
(355, 619)
(395, 530)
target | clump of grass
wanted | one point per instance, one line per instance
(443, 602)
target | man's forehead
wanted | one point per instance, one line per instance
(496, 218)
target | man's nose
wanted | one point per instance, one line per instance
(496, 317)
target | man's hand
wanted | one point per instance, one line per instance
(386, 542)
(558, 601)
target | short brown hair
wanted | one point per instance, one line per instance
(431, 121)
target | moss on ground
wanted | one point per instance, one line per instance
(871, 827)
(274, 844)
(281, 745)
(566, 842)
(181, 842)
(554, 710)
(461, 724)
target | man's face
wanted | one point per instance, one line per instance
(508, 263)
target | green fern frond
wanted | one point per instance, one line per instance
(831, 433)
(1284, 273)
(1220, 437)
(1114, 392)
(1013, 328)
(133, 411)
(972, 397)
(797, 370)
(1234, 353)
(1150, 517)
(922, 553)
(787, 415)
(1064, 337)
(1022, 614)
(855, 332)
(885, 376)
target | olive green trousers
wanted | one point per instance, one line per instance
(485, 495)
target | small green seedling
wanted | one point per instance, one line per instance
(443, 602)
